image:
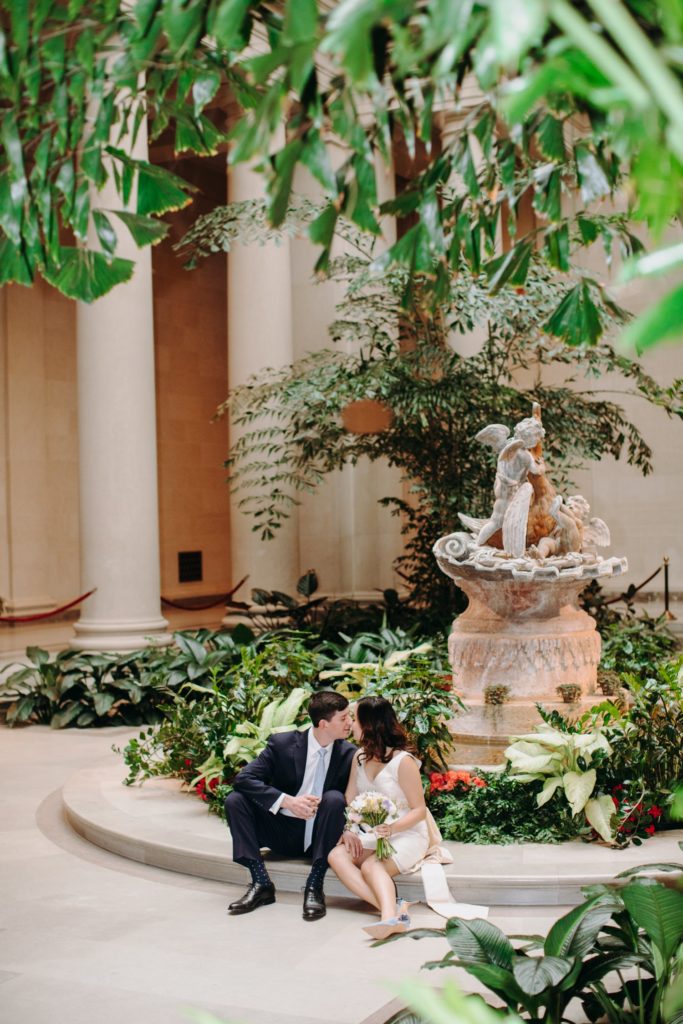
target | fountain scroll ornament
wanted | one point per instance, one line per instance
(523, 569)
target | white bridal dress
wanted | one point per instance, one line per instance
(411, 846)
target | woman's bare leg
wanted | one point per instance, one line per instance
(378, 874)
(348, 871)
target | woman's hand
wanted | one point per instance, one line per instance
(383, 831)
(352, 844)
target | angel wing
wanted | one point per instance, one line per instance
(515, 521)
(511, 448)
(596, 534)
(495, 436)
(472, 524)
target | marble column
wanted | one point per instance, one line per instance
(259, 335)
(118, 457)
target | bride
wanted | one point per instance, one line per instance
(385, 764)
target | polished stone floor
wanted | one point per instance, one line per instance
(87, 937)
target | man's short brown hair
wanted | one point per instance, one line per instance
(325, 704)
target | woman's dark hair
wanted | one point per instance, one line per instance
(382, 733)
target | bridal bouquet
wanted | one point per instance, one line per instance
(368, 810)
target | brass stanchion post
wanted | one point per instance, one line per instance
(667, 614)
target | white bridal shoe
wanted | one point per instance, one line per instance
(393, 926)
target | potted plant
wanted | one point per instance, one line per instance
(569, 692)
(496, 694)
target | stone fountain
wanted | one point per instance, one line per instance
(522, 569)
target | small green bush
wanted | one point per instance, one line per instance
(503, 811)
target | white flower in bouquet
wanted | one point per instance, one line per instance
(368, 810)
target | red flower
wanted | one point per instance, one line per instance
(188, 762)
(213, 784)
(655, 812)
(650, 830)
(617, 789)
(204, 796)
(615, 801)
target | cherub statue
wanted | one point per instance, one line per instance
(512, 489)
(573, 531)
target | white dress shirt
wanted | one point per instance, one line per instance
(309, 773)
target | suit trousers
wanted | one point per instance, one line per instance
(252, 828)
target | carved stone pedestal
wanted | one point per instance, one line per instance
(530, 636)
(523, 629)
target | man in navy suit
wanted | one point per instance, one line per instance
(291, 800)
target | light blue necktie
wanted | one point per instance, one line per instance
(316, 790)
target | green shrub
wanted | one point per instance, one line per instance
(646, 738)
(635, 645)
(202, 741)
(633, 926)
(501, 812)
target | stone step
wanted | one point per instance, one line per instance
(161, 825)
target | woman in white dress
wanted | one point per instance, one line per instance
(385, 764)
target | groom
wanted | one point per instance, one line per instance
(291, 800)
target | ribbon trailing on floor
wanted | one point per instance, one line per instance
(438, 896)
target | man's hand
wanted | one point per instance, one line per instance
(352, 844)
(304, 806)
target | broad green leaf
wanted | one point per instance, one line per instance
(548, 191)
(578, 787)
(14, 266)
(575, 933)
(204, 88)
(661, 261)
(307, 584)
(63, 718)
(576, 319)
(102, 702)
(549, 788)
(479, 942)
(557, 246)
(315, 157)
(285, 165)
(80, 274)
(661, 322)
(105, 231)
(657, 179)
(516, 25)
(301, 20)
(144, 230)
(182, 21)
(349, 35)
(592, 178)
(600, 812)
(500, 980)
(160, 191)
(512, 268)
(658, 910)
(191, 647)
(37, 655)
(535, 974)
(448, 1006)
(231, 25)
(550, 138)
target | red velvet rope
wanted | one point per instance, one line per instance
(198, 607)
(214, 604)
(46, 615)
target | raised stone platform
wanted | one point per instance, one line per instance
(159, 824)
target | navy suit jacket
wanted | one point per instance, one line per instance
(280, 768)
